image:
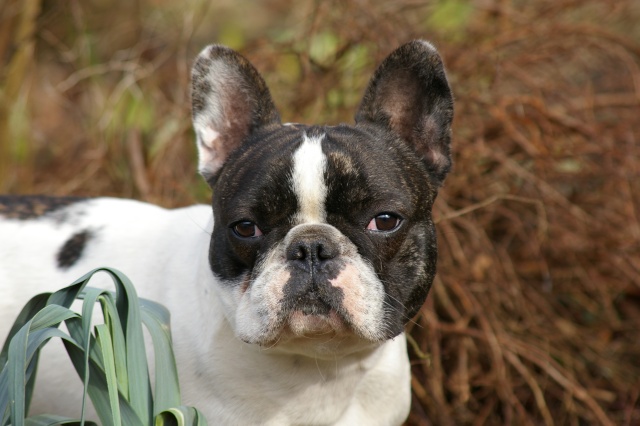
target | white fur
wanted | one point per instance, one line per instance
(309, 163)
(164, 252)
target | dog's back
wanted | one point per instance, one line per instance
(47, 242)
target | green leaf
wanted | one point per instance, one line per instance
(112, 320)
(49, 316)
(137, 368)
(97, 385)
(181, 416)
(22, 351)
(30, 309)
(52, 420)
(104, 340)
(167, 388)
(112, 364)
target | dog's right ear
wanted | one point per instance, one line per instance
(409, 94)
(230, 100)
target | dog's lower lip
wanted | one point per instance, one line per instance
(319, 308)
(302, 323)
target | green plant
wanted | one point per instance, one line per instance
(110, 357)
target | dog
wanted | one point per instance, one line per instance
(290, 292)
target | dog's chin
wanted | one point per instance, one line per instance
(323, 336)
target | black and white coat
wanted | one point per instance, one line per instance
(290, 308)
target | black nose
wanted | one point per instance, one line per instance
(308, 253)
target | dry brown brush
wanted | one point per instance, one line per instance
(535, 315)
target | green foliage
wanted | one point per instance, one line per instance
(18, 130)
(451, 16)
(110, 357)
(323, 47)
(132, 110)
(232, 35)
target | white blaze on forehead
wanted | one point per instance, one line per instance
(309, 163)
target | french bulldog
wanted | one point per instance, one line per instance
(290, 292)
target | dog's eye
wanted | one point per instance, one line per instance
(246, 229)
(384, 222)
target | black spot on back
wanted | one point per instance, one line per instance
(72, 249)
(32, 206)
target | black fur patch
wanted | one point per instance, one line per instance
(72, 249)
(32, 206)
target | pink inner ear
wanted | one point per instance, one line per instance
(438, 159)
(209, 150)
(209, 136)
(399, 97)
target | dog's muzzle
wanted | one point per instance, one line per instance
(315, 255)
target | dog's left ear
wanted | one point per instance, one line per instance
(230, 100)
(409, 95)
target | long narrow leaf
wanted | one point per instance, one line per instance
(66, 296)
(112, 320)
(97, 388)
(118, 347)
(137, 368)
(90, 298)
(26, 314)
(167, 388)
(49, 316)
(51, 420)
(22, 350)
(17, 366)
(104, 340)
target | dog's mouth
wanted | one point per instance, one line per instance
(300, 324)
(312, 316)
(314, 325)
(313, 305)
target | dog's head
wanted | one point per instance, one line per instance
(323, 236)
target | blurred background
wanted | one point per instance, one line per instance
(534, 318)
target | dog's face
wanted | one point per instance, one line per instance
(323, 238)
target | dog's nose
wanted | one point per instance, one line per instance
(308, 253)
